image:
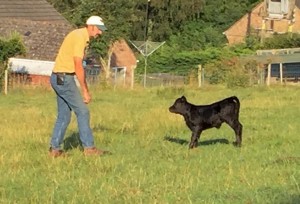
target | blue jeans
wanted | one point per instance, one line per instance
(69, 99)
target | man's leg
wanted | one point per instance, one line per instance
(74, 100)
(63, 117)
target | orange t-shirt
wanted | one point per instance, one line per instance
(73, 45)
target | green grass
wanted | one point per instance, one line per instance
(151, 162)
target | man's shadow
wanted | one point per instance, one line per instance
(72, 142)
(201, 143)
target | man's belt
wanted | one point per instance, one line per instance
(64, 73)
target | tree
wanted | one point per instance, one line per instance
(190, 28)
(166, 16)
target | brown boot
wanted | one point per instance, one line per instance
(56, 153)
(94, 151)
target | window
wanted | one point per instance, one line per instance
(278, 7)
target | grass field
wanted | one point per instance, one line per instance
(151, 162)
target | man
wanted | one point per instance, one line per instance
(68, 63)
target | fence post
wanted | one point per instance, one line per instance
(5, 81)
(132, 76)
(269, 75)
(281, 72)
(199, 75)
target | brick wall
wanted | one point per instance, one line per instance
(21, 79)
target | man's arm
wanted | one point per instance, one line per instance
(79, 71)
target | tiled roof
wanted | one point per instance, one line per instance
(35, 10)
(41, 26)
(42, 39)
(122, 55)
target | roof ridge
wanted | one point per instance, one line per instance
(31, 10)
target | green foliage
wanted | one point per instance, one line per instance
(183, 62)
(196, 21)
(216, 72)
(222, 14)
(195, 36)
(166, 18)
(236, 78)
(192, 31)
(280, 41)
(252, 43)
(228, 68)
(10, 47)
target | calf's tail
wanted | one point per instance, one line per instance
(237, 102)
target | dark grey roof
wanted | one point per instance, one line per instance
(35, 10)
(40, 25)
(42, 39)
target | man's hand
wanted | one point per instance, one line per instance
(81, 79)
(86, 97)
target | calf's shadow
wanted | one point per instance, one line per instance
(201, 143)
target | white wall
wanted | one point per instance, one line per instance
(35, 67)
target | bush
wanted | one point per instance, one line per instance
(281, 41)
(216, 72)
(232, 72)
(236, 79)
(10, 47)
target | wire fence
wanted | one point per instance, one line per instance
(94, 76)
(162, 79)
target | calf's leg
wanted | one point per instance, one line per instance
(238, 129)
(194, 139)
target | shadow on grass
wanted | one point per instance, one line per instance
(279, 195)
(203, 143)
(72, 142)
(215, 141)
(176, 140)
(295, 199)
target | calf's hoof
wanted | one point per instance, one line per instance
(192, 146)
(237, 144)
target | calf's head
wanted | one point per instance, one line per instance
(180, 106)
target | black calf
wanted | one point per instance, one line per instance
(202, 117)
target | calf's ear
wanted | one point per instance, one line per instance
(183, 98)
